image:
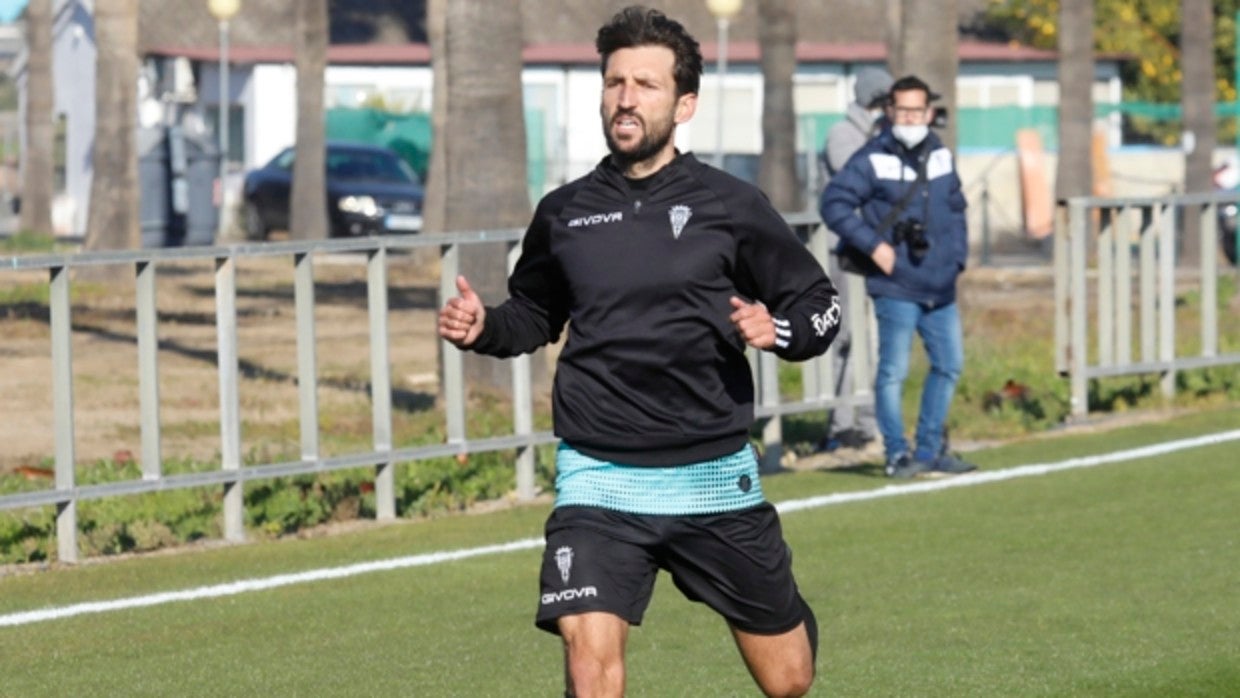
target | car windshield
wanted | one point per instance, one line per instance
(366, 165)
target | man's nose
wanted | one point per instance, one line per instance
(625, 96)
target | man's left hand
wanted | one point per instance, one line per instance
(753, 322)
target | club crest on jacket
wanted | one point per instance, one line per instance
(679, 216)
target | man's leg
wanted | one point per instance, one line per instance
(897, 320)
(782, 665)
(594, 654)
(842, 417)
(596, 580)
(942, 336)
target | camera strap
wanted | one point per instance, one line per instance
(854, 260)
(890, 219)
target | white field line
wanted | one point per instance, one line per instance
(281, 580)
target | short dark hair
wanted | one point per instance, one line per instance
(641, 26)
(909, 83)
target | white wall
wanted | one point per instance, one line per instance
(270, 112)
(73, 75)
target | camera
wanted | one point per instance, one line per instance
(914, 234)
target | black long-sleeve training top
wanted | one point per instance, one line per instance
(653, 372)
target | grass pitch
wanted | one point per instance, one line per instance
(1116, 580)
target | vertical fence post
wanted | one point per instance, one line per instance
(1123, 285)
(1151, 223)
(1166, 297)
(1078, 231)
(1106, 286)
(380, 381)
(453, 364)
(148, 370)
(307, 359)
(522, 406)
(1209, 279)
(862, 340)
(62, 408)
(1061, 266)
(817, 375)
(230, 404)
(772, 430)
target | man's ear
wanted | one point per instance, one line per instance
(686, 105)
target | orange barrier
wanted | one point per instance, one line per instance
(1035, 190)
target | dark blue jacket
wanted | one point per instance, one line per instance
(875, 178)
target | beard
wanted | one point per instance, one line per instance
(655, 137)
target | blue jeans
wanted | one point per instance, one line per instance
(939, 328)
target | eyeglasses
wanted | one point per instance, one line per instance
(910, 111)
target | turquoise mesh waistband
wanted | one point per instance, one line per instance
(729, 483)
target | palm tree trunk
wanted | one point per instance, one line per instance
(37, 176)
(112, 222)
(1074, 171)
(1197, 99)
(928, 49)
(479, 154)
(894, 19)
(308, 204)
(777, 166)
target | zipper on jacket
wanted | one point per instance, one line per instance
(637, 207)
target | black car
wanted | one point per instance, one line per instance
(370, 190)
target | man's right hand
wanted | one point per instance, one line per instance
(885, 257)
(461, 319)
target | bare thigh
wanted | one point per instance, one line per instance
(782, 665)
(594, 653)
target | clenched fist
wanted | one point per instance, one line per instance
(461, 319)
(753, 322)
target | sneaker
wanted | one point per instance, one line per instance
(905, 466)
(947, 464)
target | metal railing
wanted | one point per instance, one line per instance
(1133, 244)
(818, 382)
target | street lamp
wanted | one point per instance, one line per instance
(724, 11)
(223, 10)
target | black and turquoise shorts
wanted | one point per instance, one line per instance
(735, 562)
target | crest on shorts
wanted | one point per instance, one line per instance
(679, 215)
(564, 561)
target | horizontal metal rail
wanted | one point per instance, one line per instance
(231, 473)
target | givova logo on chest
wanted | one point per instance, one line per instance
(596, 219)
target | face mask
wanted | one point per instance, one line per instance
(910, 134)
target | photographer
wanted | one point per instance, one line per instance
(899, 212)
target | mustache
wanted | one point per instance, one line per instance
(626, 112)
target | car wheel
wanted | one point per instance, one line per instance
(255, 228)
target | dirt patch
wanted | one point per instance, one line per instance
(105, 383)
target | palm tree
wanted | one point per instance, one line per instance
(893, 18)
(1073, 175)
(478, 167)
(927, 48)
(112, 222)
(777, 166)
(1197, 99)
(37, 177)
(308, 200)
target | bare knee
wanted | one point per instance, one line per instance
(789, 686)
(781, 665)
(593, 654)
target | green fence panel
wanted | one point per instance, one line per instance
(408, 134)
(536, 153)
(815, 126)
(996, 127)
